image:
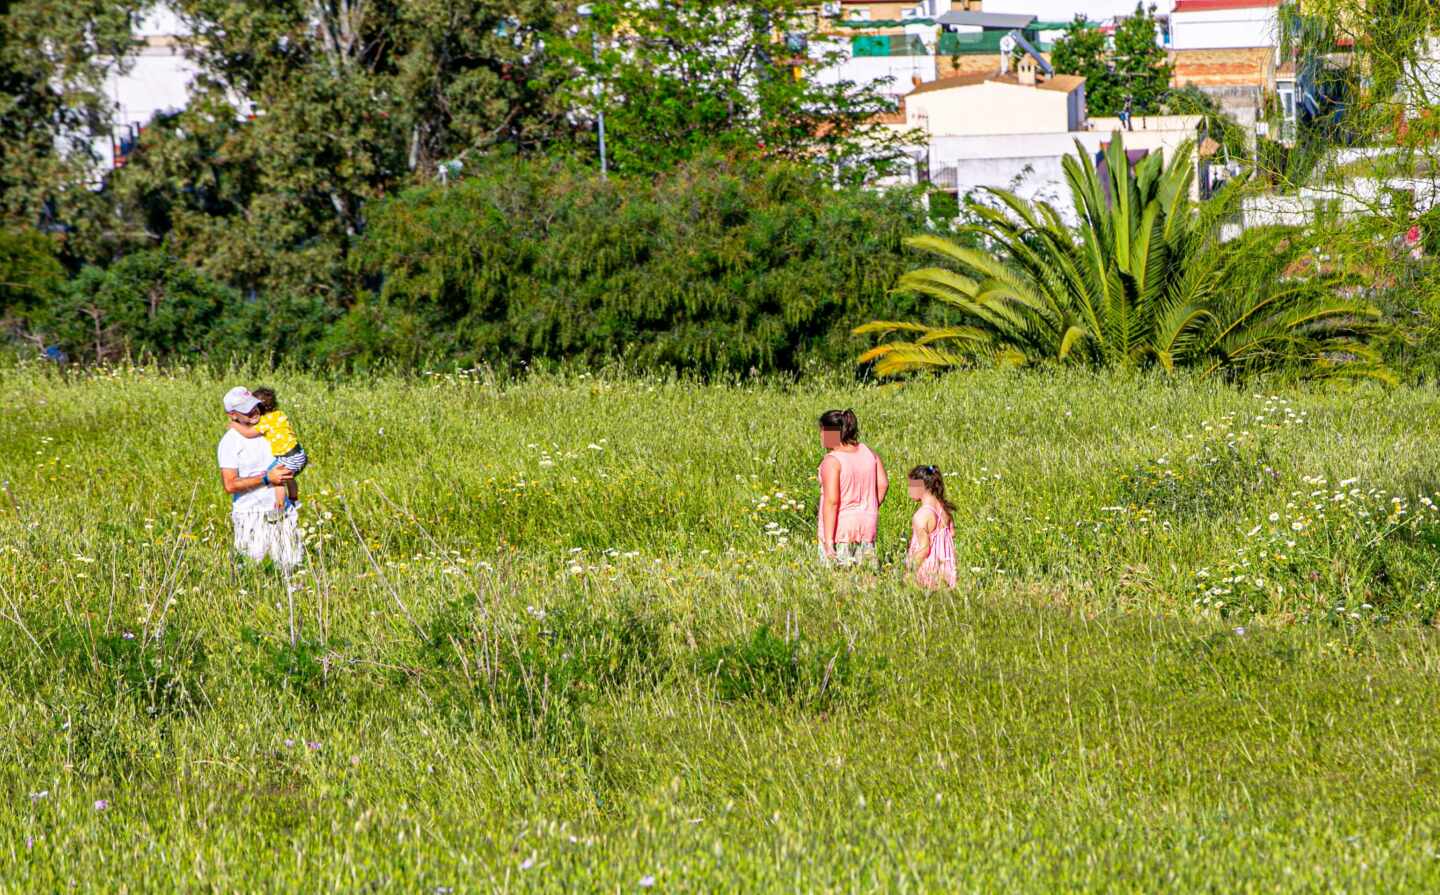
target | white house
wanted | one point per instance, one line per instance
(1224, 24)
(1065, 10)
(1013, 129)
(1230, 50)
(998, 104)
(158, 81)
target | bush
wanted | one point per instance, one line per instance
(722, 266)
(151, 305)
(145, 305)
(29, 271)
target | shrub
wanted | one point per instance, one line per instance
(146, 305)
(721, 266)
(30, 275)
(1143, 281)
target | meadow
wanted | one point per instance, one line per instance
(566, 633)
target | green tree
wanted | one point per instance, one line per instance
(1083, 51)
(307, 111)
(30, 274)
(719, 265)
(676, 80)
(1134, 73)
(54, 58)
(1143, 281)
(1140, 63)
(147, 306)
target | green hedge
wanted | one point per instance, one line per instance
(719, 268)
(722, 266)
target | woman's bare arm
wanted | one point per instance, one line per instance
(829, 503)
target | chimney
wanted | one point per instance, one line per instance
(1025, 70)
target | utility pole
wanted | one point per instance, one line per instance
(587, 11)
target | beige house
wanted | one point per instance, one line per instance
(1020, 102)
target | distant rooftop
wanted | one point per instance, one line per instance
(1059, 83)
(986, 19)
(1216, 5)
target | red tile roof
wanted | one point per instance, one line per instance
(1213, 5)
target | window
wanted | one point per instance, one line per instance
(1287, 103)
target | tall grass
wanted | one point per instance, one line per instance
(566, 633)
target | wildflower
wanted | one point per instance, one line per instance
(312, 745)
(1274, 517)
(37, 796)
(647, 881)
(102, 804)
(1240, 632)
(1297, 525)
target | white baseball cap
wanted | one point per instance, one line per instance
(239, 400)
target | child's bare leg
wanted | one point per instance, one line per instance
(280, 497)
(292, 490)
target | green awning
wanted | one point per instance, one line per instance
(978, 43)
(882, 23)
(888, 45)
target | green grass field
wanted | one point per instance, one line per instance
(567, 634)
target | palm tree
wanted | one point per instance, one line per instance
(1142, 281)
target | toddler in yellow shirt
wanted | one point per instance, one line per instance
(274, 426)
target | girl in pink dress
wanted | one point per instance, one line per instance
(852, 487)
(932, 531)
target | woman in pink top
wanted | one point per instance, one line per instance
(852, 487)
(932, 531)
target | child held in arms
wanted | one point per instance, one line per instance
(274, 426)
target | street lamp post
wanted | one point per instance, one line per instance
(586, 11)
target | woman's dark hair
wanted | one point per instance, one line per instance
(844, 422)
(266, 397)
(934, 482)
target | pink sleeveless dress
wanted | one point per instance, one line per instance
(938, 567)
(859, 514)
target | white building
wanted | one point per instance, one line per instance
(1013, 130)
(1224, 24)
(895, 74)
(159, 81)
(1065, 10)
(1230, 50)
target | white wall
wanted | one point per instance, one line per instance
(160, 20)
(990, 108)
(868, 69)
(1225, 29)
(159, 79)
(1034, 160)
(1064, 10)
